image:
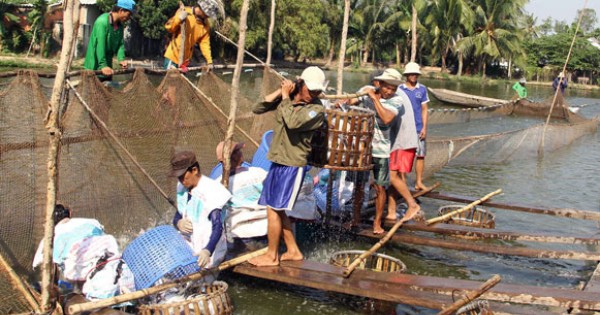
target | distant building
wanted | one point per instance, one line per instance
(88, 15)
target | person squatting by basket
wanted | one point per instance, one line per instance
(197, 31)
(417, 93)
(298, 112)
(382, 99)
(200, 200)
(87, 257)
(246, 220)
(106, 40)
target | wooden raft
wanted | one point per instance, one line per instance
(424, 291)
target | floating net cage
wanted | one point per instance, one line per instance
(475, 217)
(375, 262)
(207, 299)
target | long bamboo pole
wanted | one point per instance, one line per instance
(120, 144)
(564, 69)
(235, 93)
(70, 27)
(490, 283)
(463, 209)
(83, 307)
(182, 27)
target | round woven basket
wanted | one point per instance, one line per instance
(375, 262)
(478, 307)
(475, 217)
(210, 299)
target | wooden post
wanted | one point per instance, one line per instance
(413, 40)
(83, 307)
(463, 209)
(471, 296)
(270, 36)
(342, 54)
(235, 93)
(70, 27)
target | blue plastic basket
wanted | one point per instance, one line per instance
(260, 156)
(159, 253)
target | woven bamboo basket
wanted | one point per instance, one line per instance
(478, 307)
(475, 217)
(210, 299)
(343, 143)
(376, 262)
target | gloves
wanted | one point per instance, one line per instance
(185, 225)
(203, 258)
(182, 15)
(184, 66)
(209, 67)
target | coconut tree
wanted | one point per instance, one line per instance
(495, 32)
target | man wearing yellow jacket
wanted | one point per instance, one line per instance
(197, 30)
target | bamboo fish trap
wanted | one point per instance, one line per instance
(475, 217)
(210, 299)
(375, 262)
(343, 143)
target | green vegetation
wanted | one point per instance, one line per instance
(474, 37)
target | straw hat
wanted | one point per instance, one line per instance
(390, 76)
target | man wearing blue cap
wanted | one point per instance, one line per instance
(106, 40)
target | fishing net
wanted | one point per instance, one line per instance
(108, 173)
(441, 116)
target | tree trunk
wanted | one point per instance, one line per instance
(413, 54)
(406, 52)
(460, 64)
(271, 28)
(365, 57)
(398, 59)
(330, 54)
(70, 28)
(235, 93)
(342, 54)
(483, 66)
(509, 68)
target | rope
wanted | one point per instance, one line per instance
(120, 144)
(541, 146)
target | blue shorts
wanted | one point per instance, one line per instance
(281, 187)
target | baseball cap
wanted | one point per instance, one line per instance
(234, 147)
(126, 4)
(314, 78)
(181, 161)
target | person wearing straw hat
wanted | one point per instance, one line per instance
(417, 93)
(298, 112)
(197, 31)
(106, 40)
(520, 89)
(560, 81)
(200, 200)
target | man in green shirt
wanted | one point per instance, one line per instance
(520, 88)
(106, 40)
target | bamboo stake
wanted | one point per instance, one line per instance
(235, 94)
(564, 69)
(17, 283)
(463, 209)
(471, 296)
(240, 130)
(71, 26)
(83, 307)
(182, 43)
(120, 144)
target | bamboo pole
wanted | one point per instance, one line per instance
(564, 69)
(342, 54)
(270, 36)
(70, 27)
(17, 284)
(413, 43)
(463, 209)
(235, 93)
(471, 296)
(182, 43)
(83, 307)
(121, 145)
(240, 130)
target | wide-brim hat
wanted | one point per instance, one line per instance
(412, 68)
(181, 162)
(234, 147)
(390, 76)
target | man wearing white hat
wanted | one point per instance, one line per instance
(417, 93)
(298, 112)
(520, 88)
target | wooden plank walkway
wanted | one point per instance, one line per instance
(424, 291)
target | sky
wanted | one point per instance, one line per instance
(562, 10)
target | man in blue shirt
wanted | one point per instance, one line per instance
(417, 93)
(561, 82)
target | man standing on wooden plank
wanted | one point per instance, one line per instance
(417, 93)
(298, 112)
(197, 31)
(106, 40)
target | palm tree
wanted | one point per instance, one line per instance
(495, 33)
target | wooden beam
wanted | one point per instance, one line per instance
(402, 238)
(558, 212)
(482, 233)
